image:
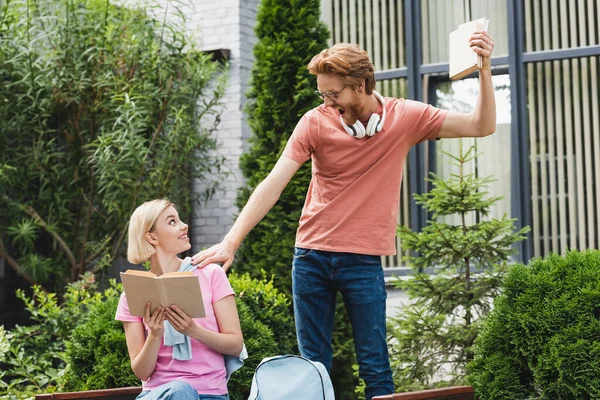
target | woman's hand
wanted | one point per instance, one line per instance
(180, 320)
(155, 321)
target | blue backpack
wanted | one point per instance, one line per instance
(291, 378)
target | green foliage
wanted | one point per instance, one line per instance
(432, 338)
(267, 325)
(289, 34)
(34, 355)
(97, 351)
(542, 340)
(101, 109)
(269, 305)
(260, 343)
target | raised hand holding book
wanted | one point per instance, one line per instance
(463, 60)
(173, 288)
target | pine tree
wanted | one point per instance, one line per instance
(432, 337)
(289, 34)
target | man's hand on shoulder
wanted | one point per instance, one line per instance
(223, 252)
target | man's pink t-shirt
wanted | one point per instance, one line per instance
(205, 372)
(354, 194)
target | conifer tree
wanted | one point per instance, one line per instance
(433, 336)
(289, 34)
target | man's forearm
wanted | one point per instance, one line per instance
(258, 205)
(485, 110)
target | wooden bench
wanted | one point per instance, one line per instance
(128, 393)
(450, 393)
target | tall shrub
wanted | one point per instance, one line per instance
(289, 34)
(432, 337)
(101, 109)
(542, 340)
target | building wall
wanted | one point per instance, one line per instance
(225, 24)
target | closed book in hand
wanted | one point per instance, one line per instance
(173, 288)
(463, 60)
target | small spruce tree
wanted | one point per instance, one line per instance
(432, 337)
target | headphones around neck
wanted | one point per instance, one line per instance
(374, 125)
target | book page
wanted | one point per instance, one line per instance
(185, 293)
(140, 289)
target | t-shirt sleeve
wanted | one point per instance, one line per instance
(123, 311)
(301, 144)
(426, 121)
(220, 285)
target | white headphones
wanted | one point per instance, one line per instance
(373, 126)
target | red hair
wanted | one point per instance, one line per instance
(349, 62)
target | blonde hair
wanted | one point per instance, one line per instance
(142, 221)
(349, 62)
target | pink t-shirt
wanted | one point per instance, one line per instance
(354, 194)
(205, 372)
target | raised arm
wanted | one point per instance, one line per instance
(482, 121)
(260, 202)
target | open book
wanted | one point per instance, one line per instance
(173, 288)
(463, 60)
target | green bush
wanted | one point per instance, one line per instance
(270, 306)
(97, 352)
(260, 343)
(542, 340)
(289, 34)
(33, 357)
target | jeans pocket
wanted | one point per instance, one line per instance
(301, 253)
(368, 259)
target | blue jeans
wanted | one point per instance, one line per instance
(316, 277)
(178, 390)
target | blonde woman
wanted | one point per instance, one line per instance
(175, 356)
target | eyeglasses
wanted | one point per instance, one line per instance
(332, 95)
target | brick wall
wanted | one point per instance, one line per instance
(225, 24)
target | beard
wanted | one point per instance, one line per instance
(352, 111)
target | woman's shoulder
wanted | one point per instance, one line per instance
(209, 270)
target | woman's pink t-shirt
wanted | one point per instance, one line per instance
(354, 196)
(205, 372)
